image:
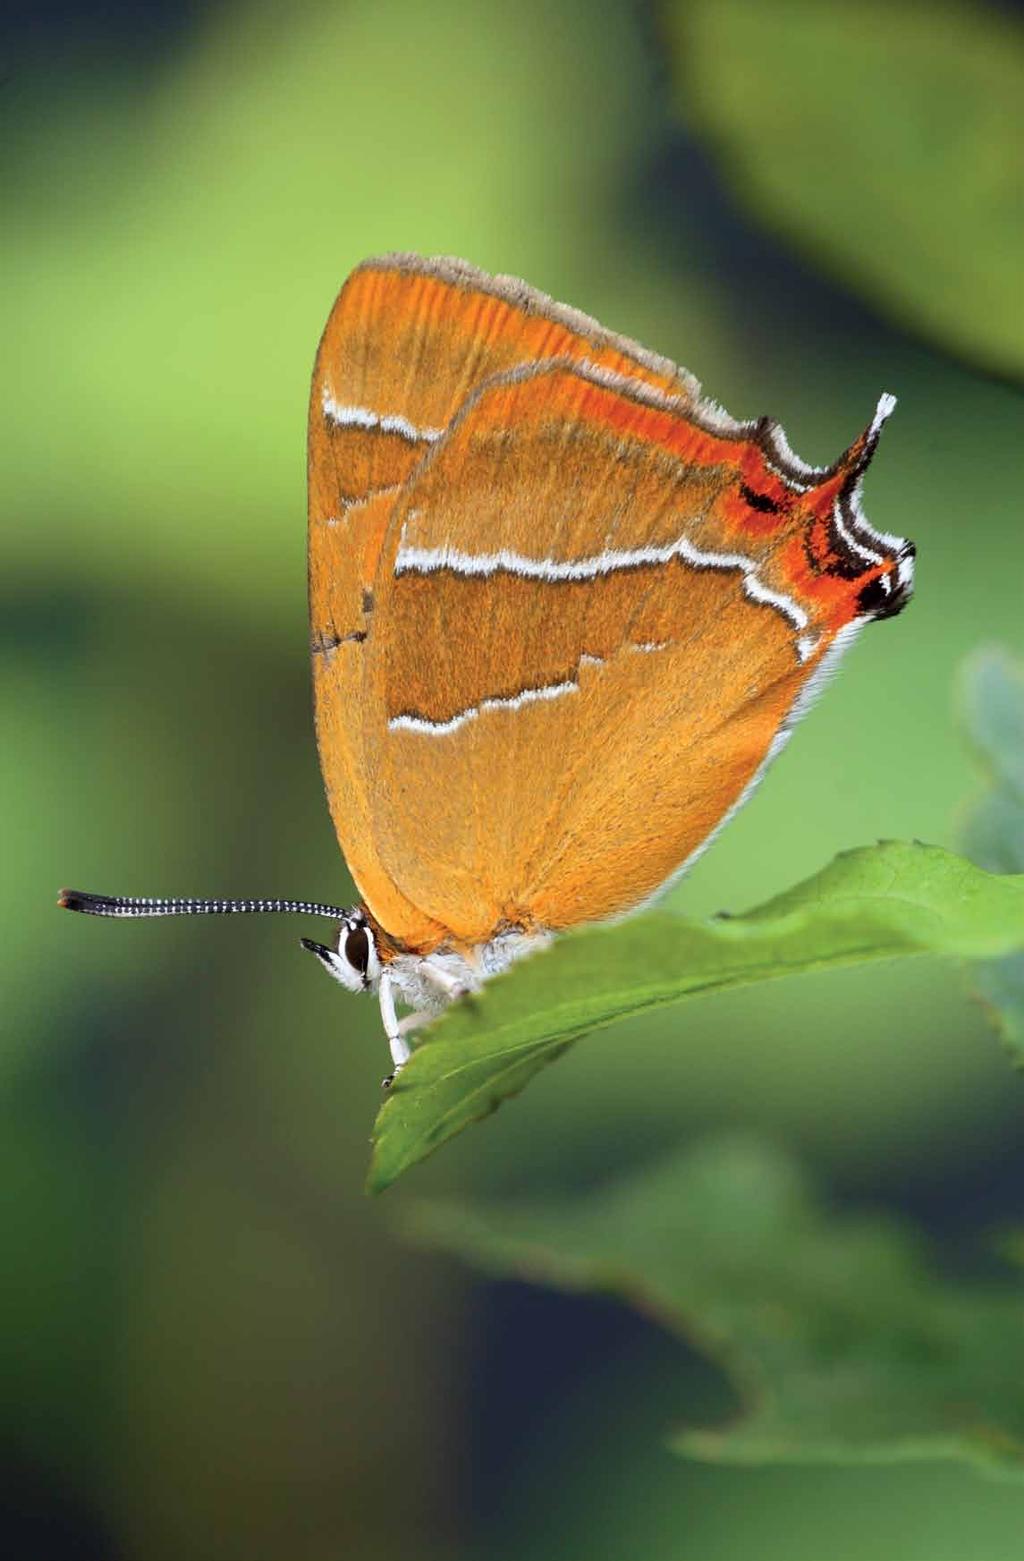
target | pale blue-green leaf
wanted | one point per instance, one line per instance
(992, 711)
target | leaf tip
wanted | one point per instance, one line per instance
(378, 1178)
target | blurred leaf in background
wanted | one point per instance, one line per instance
(884, 139)
(991, 704)
(840, 1340)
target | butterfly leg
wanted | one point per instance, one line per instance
(397, 1029)
(449, 986)
(399, 1046)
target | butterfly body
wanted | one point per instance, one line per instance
(428, 982)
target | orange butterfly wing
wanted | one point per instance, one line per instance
(598, 612)
(406, 342)
(563, 612)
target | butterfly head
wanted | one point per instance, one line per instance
(354, 961)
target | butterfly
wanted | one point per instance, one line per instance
(564, 613)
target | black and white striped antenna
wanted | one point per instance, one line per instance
(127, 905)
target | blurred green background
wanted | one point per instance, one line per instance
(213, 1345)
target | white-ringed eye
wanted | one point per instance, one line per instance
(357, 949)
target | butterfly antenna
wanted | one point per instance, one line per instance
(131, 905)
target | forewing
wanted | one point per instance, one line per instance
(407, 341)
(596, 612)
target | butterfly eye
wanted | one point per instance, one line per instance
(357, 950)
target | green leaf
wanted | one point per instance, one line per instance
(874, 903)
(992, 711)
(840, 1342)
(882, 139)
